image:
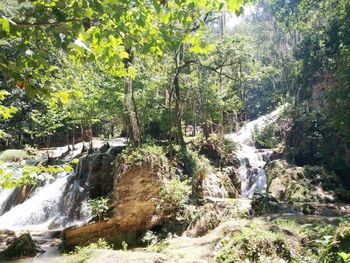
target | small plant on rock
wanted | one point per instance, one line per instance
(82, 254)
(175, 193)
(98, 207)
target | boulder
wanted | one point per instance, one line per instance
(23, 246)
(288, 182)
(136, 207)
(210, 183)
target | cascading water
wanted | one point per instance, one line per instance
(58, 203)
(42, 209)
(252, 160)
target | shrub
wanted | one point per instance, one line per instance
(98, 207)
(30, 150)
(190, 162)
(254, 244)
(175, 193)
(265, 138)
(229, 146)
(147, 153)
(82, 254)
(330, 243)
(154, 244)
(319, 175)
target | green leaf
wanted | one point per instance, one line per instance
(5, 24)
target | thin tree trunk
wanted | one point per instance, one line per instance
(48, 146)
(73, 138)
(131, 118)
(178, 103)
(170, 125)
(194, 119)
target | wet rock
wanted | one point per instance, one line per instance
(59, 222)
(231, 160)
(104, 148)
(308, 209)
(98, 170)
(18, 196)
(115, 150)
(234, 176)
(23, 246)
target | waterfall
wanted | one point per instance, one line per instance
(44, 208)
(253, 160)
(60, 201)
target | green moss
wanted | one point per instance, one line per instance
(23, 246)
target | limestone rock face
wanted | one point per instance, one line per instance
(135, 200)
(213, 184)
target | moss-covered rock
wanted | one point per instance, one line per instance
(257, 242)
(288, 182)
(23, 246)
(265, 204)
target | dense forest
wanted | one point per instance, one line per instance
(175, 131)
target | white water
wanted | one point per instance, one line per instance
(42, 208)
(60, 202)
(253, 177)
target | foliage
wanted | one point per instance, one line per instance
(5, 112)
(255, 244)
(82, 254)
(175, 193)
(266, 138)
(330, 243)
(98, 207)
(152, 154)
(190, 161)
(22, 174)
(319, 175)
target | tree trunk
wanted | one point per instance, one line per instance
(194, 119)
(73, 138)
(48, 146)
(170, 123)
(131, 118)
(178, 103)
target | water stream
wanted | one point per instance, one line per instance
(252, 160)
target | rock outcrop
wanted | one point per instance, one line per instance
(136, 206)
(210, 183)
(23, 246)
(288, 182)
